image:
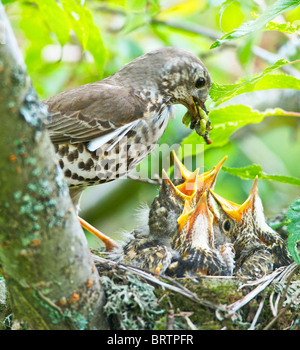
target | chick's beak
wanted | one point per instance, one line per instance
(202, 209)
(235, 211)
(180, 171)
(189, 215)
(248, 205)
(207, 180)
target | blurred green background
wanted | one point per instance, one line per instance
(127, 29)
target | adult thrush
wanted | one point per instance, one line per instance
(103, 130)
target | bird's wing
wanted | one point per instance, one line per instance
(93, 111)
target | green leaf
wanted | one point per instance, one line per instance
(139, 14)
(134, 21)
(293, 214)
(245, 51)
(231, 15)
(263, 81)
(225, 121)
(81, 21)
(258, 24)
(136, 5)
(253, 170)
(288, 28)
(95, 45)
(55, 19)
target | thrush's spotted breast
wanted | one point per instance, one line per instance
(103, 130)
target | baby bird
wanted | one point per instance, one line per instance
(178, 239)
(194, 241)
(258, 248)
(168, 205)
(192, 230)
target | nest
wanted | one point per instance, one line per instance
(137, 299)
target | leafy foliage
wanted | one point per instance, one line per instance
(81, 21)
(56, 19)
(64, 16)
(254, 170)
(253, 26)
(228, 119)
(293, 214)
(265, 80)
(283, 27)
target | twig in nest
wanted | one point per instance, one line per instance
(272, 276)
(274, 307)
(287, 274)
(282, 311)
(287, 271)
(289, 279)
(258, 311)
(170, 320)
(49, 302)
(171, 285)
(264, 282)
(186, 316)
(279, 274)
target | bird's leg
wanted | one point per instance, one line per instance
(110, 244)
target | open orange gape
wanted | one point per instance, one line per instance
(191, 230)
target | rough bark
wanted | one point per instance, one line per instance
(49, 272)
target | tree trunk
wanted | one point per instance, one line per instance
(47, 265)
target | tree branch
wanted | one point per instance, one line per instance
(212, 34)
(48, 268)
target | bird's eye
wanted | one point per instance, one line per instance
(200, 82)
(227, 225)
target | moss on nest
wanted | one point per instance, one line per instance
(206, 305)
(131, 303)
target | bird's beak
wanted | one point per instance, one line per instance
(197, 118)
(235, 211)
(183, 218)
(229, 207)
(189, 187)
(193, 106)
(189, 216)
(201, 104)
(183, 192)
(205, 181)
(202, 209)
(180, 171)
(248, 205)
